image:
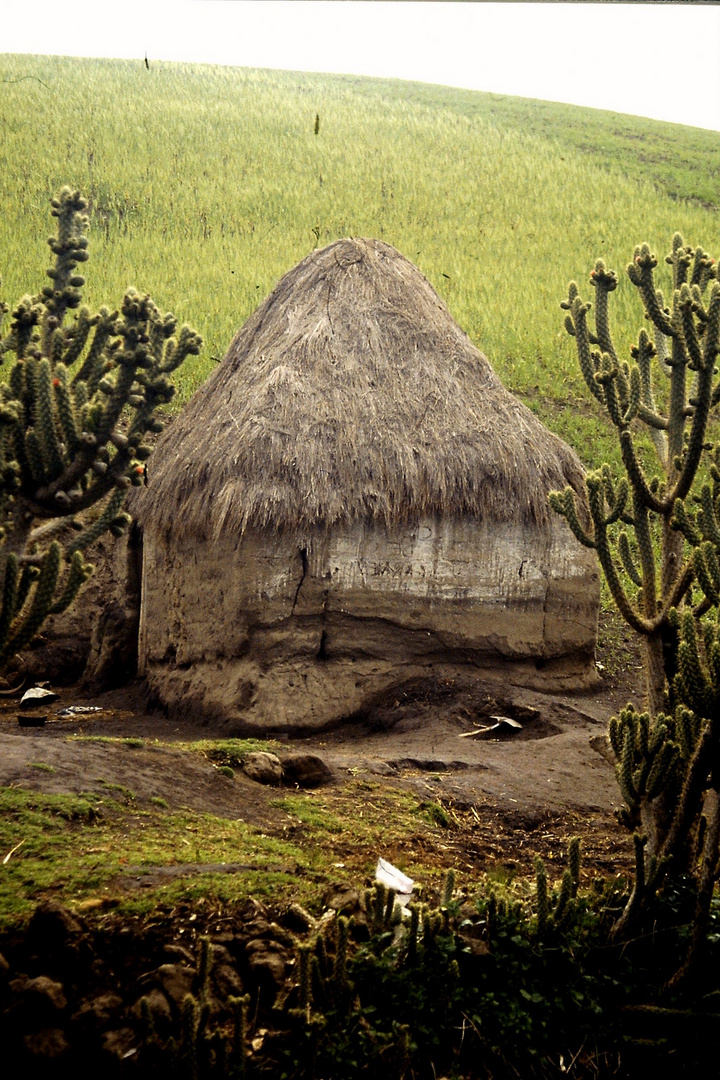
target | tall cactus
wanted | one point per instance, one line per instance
(74, 410)
(639, 523)
(657, 539)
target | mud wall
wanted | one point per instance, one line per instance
(272, 634)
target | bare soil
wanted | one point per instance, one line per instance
(509, 793)
(72, 983)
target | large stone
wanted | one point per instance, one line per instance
(177, 981)
(39, 997)
(305, 770)
(263, 768)
(52, 926)
(48, 1044)
(267, 961)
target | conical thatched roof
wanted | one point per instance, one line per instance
(352, 394)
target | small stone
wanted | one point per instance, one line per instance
(48, 1043)
(381, 768)
(47, 991)
(97, 1011)
(344, 900)
(227, 981)
(177, 982)
(52, 925)
(120, 1044)
(268, 963)
(220, 953)
(36, 695)
(263, 768)
(159, 1008)
(306, 770)
(178, 952)
(298, 919)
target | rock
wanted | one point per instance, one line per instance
(159, 1008)
(267, 961)
(221, 954)
(263, 767)
(40, 997)
(36, 695)
(120, 1044)
(98, 1011)
(298, 919)
(344, 900)
(178, 952)
(306, 770)
(227, 981)
(177, 982)
(473, 956)
(48, 1043)
(381, 768)
(51, 926)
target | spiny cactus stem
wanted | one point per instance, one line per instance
(636, 476)
(692, 790)
(647, 558)
(638, 622)
(706, 887)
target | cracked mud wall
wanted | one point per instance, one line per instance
(272, 633)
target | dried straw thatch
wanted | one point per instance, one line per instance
(352, 394)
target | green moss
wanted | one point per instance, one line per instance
(77, 847)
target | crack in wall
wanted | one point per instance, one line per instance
(304, 560)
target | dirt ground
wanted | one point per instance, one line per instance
(509, 792)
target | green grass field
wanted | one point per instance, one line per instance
(207, 183)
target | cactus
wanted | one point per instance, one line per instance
(632, 516)
(79, 399)
(657, 539)
(553, 912)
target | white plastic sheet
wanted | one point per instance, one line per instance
(392, 878)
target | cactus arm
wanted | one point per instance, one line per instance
(691, 792)
(657, 424)
(637, 621)
(706, 568)
(640, 272)
(563, 503)
(107, 518)
(576, 326)
(706, 361)
(10, 596)
(40, 607)
(684, 524)
(647, 409)
(45, 422)
(636, 475)
(628, 560)
(679, 588)
(78, 574)
(604, 282)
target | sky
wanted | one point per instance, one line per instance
(660, 60)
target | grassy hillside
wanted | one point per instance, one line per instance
(208, 183)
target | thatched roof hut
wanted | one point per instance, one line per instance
(353, 424)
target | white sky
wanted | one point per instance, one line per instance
(658, 60)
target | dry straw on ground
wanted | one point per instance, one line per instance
(351, 393)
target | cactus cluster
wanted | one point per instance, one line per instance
(197, 1050)
(653, 547)
(553, 912)
(75, 408)
(657, 539)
